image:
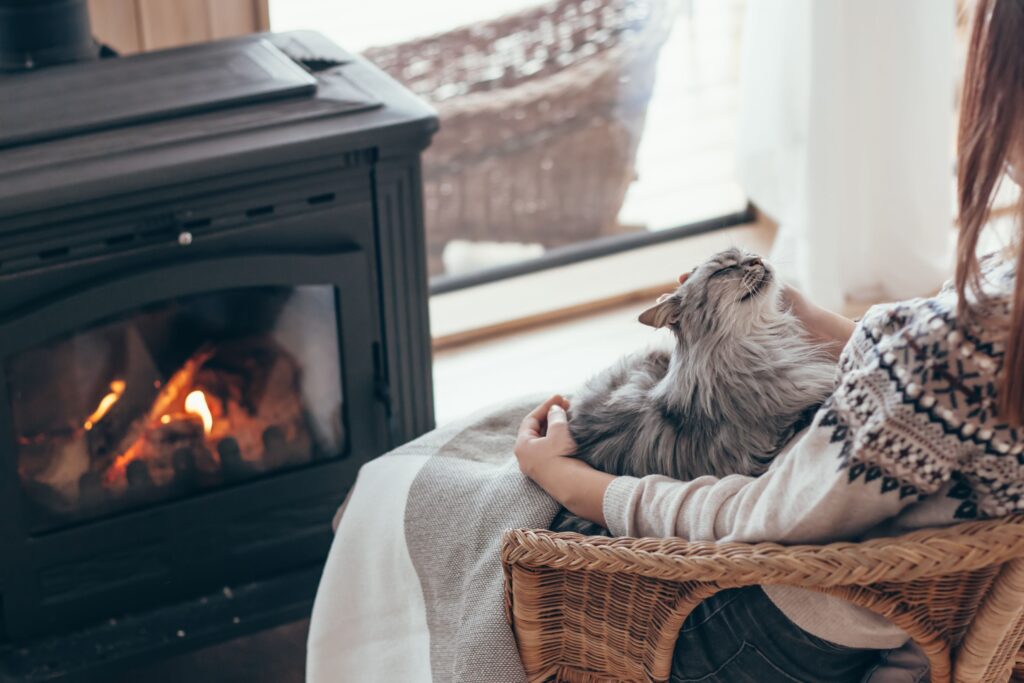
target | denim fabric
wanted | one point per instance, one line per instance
(740, 636)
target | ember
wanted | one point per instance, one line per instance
(230, 410)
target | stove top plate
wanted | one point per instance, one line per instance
(93, 96)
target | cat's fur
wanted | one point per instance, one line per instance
(739, 379)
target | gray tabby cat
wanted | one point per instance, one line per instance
(737, 384)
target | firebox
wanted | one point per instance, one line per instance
(212, 312)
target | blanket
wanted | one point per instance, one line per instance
(412, 588)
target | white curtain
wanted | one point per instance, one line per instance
(845, 139)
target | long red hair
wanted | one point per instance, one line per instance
(991, 125)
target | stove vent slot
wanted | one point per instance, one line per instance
(118, 240)
(325, 198)
(54, 253)
(158, 233)
(258, 211)
(196, 224)
(46, 245)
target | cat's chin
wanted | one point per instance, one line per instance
(761, 287)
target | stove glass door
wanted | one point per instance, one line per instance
(175, 398)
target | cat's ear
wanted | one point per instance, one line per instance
(661, 314)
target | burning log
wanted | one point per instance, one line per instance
(229, 412)
(183, 462)
(91, 493)
(55, 464)
(275, 447)
(140, 483)
(180, 429)
(231, 462)
(173, 393)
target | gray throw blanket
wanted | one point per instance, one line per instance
(412, 590)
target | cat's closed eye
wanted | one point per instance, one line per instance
(726, 269)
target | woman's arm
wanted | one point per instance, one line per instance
(809, 496)
(887, 439)
(806, 498)
(869, 454)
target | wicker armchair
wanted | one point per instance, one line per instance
(599, 609)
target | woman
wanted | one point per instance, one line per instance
(926, 428)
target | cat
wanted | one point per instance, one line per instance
(741, 379)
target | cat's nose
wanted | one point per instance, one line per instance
(753, 262)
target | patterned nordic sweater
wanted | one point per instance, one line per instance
(909, 439)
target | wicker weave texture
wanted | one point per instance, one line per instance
(541, 115)
(602, 609)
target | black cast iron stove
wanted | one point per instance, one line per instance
(212, 312)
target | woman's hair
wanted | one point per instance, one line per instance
(991, 125)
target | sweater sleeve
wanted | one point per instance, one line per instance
(868, 454)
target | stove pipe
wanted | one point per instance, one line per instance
(36, 33)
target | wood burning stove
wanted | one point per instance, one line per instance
(212, 312)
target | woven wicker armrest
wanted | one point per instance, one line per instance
(597, 609)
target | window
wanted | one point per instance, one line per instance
(569, 128)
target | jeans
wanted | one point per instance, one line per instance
(740, 636)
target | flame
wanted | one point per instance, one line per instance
(117, 388)
(122, 461)
(177, 384)
(195, 403)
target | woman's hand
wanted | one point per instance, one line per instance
(822, 325)
(543, 449)
(543, 435)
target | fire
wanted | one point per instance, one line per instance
(196, 407)
(106, 403)
(195, 403)
(117, 469)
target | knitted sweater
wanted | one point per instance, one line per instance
(911, 438)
